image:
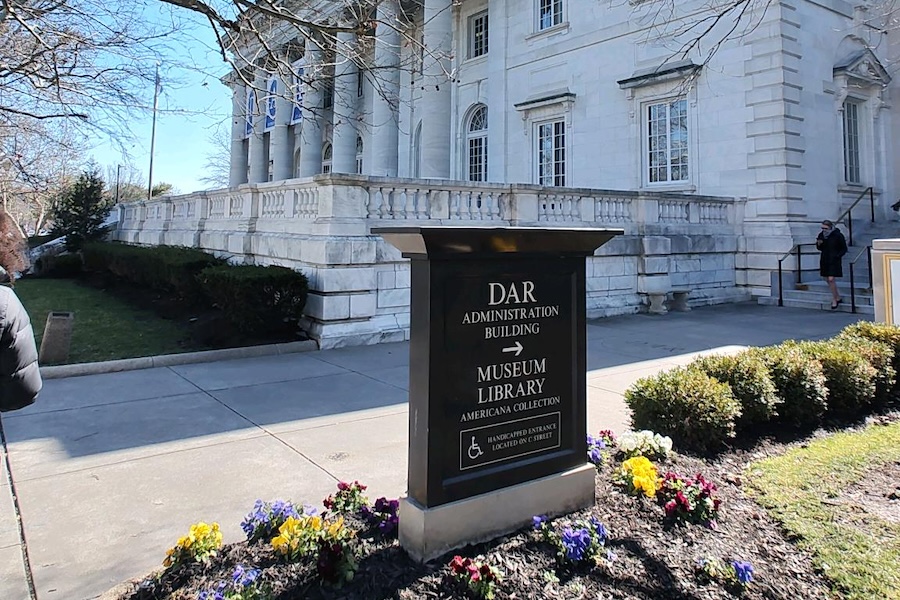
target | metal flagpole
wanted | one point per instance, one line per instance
(156, 87)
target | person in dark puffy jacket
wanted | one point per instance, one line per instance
(20, 377)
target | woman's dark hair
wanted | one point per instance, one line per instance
(829, 223)
(12, 246)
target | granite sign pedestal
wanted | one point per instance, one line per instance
(497, 392)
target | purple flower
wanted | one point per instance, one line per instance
(576, 543)
(538, 521)
(596, 456)
(743, 570)
(600, 528)
(611, 556)
(244, 577)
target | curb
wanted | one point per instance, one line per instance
(170, 360)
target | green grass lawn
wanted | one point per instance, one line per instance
(858, 551)
(105, 328)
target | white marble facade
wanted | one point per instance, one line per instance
(469, 111)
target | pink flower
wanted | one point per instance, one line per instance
(343, 486)
(474, 575)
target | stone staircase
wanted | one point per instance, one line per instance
(812, 292)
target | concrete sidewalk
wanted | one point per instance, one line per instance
(109, 470)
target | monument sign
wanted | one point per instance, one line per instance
(497, 378)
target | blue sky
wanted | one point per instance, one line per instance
(192, 105)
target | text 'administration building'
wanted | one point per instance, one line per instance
(715, 161)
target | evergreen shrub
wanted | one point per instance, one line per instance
(751, 384)
(849, 377)
(880, 356)
(165, 268)
(697, 411)
(256, 298)
(65, 266)
(800, 383)
(879, 332)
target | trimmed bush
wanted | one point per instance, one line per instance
(879, 332)
(880, 356)
(697, 411)
(849, 377)
(168, 268)
(748, 377)
(800, 383)
(60, 265)
(257, 299)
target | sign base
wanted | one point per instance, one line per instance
(427, 533)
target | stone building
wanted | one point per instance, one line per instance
(551, 113)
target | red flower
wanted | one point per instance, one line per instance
(474, 575)
(670, 508)
(328, 502)
(457, 565)
(343, 486)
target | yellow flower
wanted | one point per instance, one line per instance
(642, 474)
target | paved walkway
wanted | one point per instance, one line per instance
(109, 470)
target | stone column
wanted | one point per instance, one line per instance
(385, 104)
(311, 129)
(345, 102)
(259, 167)
(237, 173)
(281, 146)
(435, 102)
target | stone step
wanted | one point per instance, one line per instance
(824, 297)
(814, 305)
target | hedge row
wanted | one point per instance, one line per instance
(255, 299)
(795, 385)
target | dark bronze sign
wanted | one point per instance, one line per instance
(497, 356)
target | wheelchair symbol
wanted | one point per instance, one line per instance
(474, 449)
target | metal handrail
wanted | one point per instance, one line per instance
(871, 193)
(799, 249)
(868, 252)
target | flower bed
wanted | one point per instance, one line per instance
(684, 530)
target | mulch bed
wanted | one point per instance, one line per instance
(204, 327)
(654, 560)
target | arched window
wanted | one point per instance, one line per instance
(326, 158)
(476, 144)
(359, 155)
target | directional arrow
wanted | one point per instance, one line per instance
(517, 348)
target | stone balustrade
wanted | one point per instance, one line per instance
(360, 285)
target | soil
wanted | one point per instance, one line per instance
(654, 559)
(203, 327)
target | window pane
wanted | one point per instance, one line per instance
(667, 141)
(478, 35)
(851, 142)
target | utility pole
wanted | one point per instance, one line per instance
(118, 178)
(156, 89)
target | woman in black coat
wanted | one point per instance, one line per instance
(832, 245)
(20, 378)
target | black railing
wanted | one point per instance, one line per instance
(849, 214)
(798, 249)
(868, 252)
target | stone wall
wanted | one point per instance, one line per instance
(360, 285)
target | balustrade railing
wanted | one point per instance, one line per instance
(381, 199)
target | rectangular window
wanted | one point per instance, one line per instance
(551, 153)
(851, 142)
(478, 159)
(478, 34)
(419, 67)
(667, 141)
(328, 94)
(550, 13)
